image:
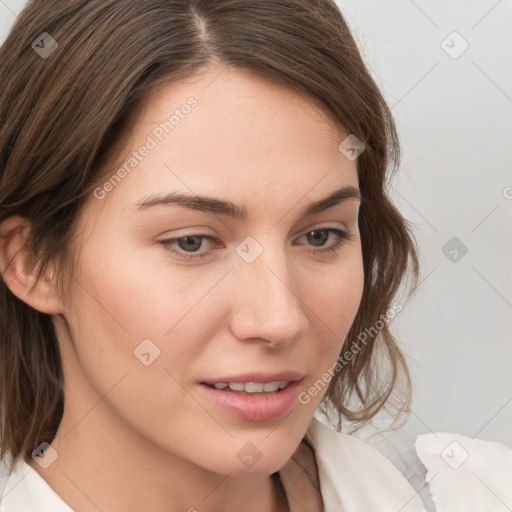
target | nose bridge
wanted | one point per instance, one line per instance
(266, 298)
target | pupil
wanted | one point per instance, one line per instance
(186, 241)
(316, 238)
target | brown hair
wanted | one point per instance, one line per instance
(61, 115)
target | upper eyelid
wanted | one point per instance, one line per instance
(303, 232)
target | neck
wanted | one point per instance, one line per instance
(94, 470)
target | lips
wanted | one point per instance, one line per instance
(253, 407)
(245, 401)
(256, 377)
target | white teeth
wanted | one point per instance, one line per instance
(253, 387)
(274, 386)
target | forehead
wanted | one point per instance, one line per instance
(229, 131)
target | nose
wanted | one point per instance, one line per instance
(266, 301)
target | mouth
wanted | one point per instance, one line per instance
(252, 401)
(262, 388)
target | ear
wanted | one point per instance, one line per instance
(18, 267)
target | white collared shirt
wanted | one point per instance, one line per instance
(462, 475)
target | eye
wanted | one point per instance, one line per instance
(318, 237)
(187, 243)
(187, 247)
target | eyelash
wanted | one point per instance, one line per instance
(342, 236)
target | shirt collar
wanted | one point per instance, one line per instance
(27, 490)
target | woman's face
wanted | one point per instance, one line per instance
(261, 297)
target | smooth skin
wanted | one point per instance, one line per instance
(136, 437)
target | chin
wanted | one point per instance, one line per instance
(255, 459)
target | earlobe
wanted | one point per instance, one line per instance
(18, 267)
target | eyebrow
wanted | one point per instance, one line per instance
(238, 212)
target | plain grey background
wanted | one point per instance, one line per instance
(445, 68)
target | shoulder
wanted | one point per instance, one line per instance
(355, 477)
(441, 472)
(466, 473)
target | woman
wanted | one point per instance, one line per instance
(198, 253)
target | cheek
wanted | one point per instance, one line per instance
(334, 302)
(120, 303)
(113, 312)
(335, 296)
(141, 298)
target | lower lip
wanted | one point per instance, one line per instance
(254, 406)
